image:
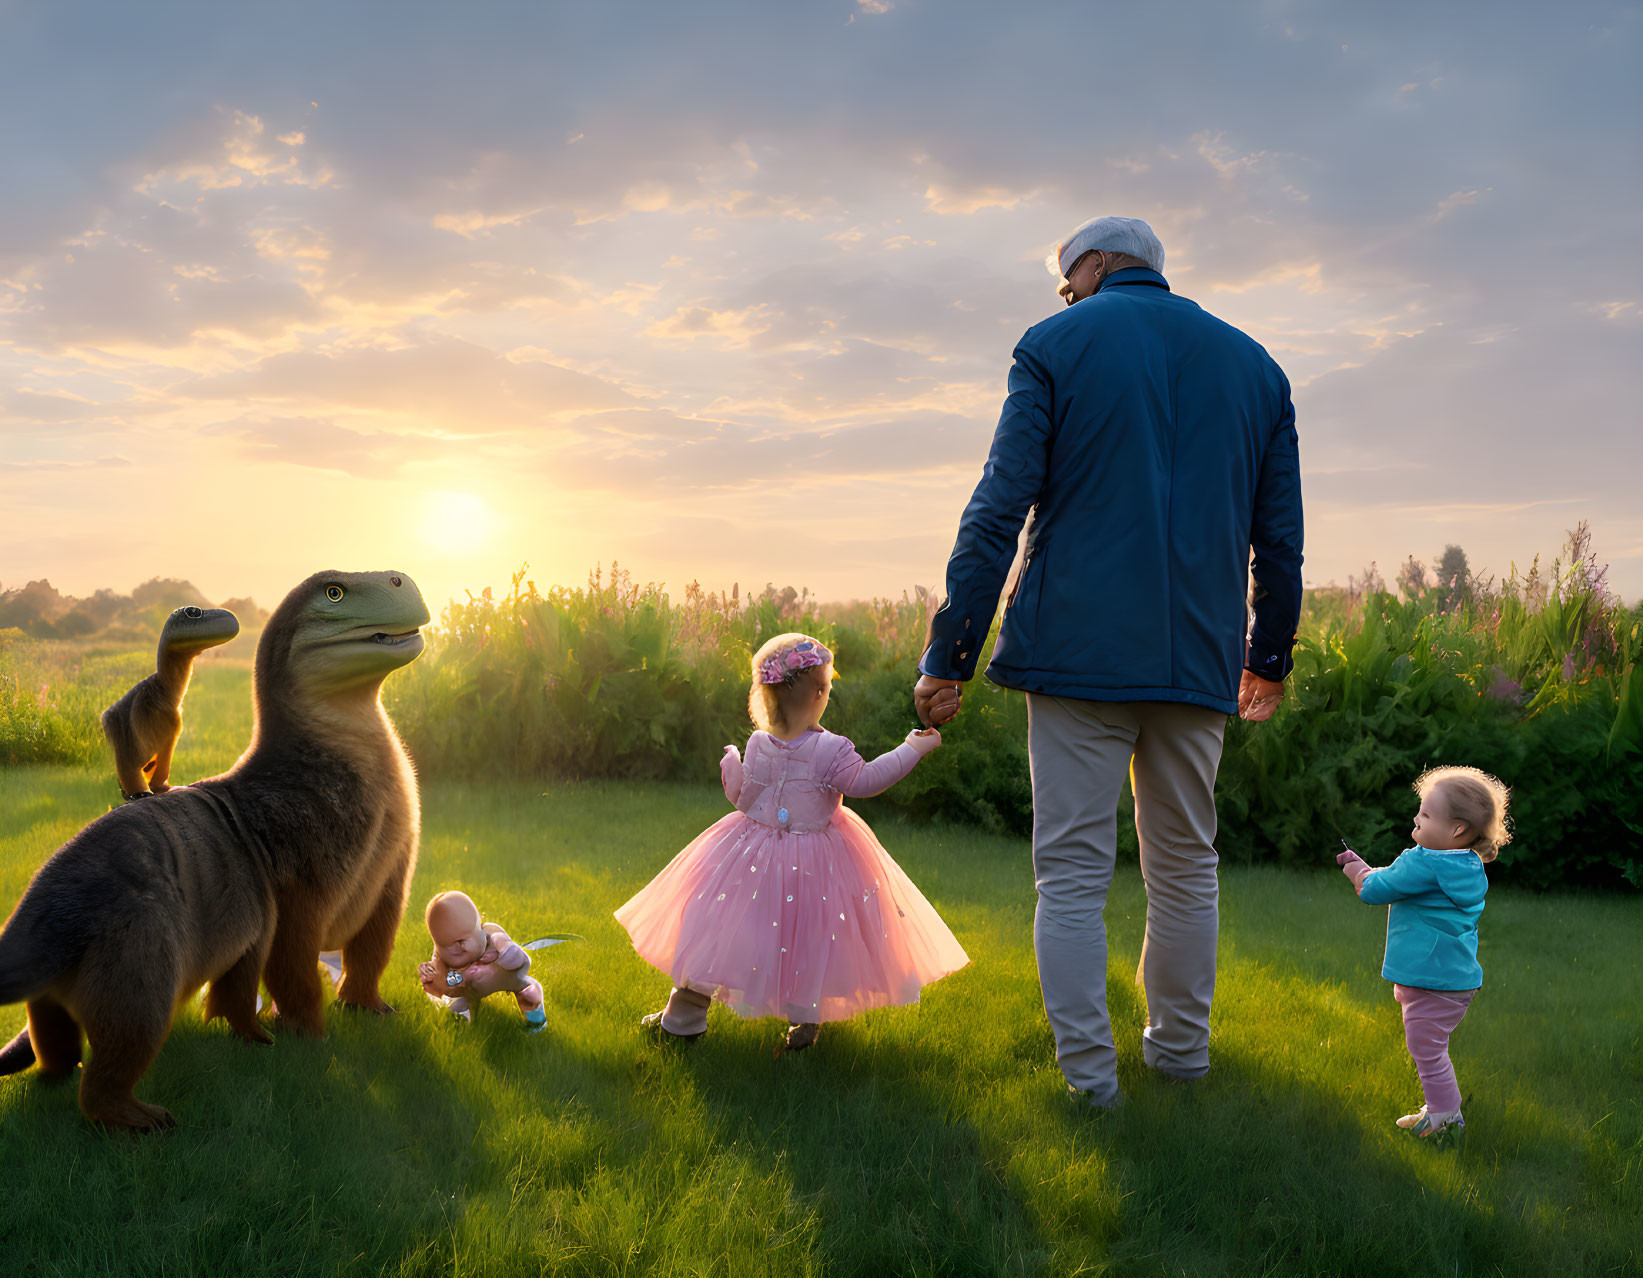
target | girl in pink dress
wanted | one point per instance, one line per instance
(788, 906)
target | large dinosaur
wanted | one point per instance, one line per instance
(307, 843)
(142, 727)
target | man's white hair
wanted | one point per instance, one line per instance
(1112, 235)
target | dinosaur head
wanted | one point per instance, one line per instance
(190, 630)
(340, 632)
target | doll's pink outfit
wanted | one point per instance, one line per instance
(788, 906)
(508, 973)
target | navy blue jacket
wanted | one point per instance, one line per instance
(1155, 447)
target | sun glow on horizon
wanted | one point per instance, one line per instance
(457, 522)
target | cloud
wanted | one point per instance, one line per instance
(777, 228)
(726, 329)
(323, 445)
(24, 405)
(657, 450)
(473, 224)
(107, 292)
(948, 202)
(244, 156)
(1456, 200)
(57, 464)
(447, 386)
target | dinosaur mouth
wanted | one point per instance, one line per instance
(395, 640)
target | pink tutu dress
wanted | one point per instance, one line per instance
(789, 906)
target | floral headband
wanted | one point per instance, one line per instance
(789, 661)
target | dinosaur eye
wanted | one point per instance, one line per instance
(192, 612)
(334, 593)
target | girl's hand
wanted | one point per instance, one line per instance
(924, 740)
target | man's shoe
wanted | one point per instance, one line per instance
(535, 1020)
(1083, 1100)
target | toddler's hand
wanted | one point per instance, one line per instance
(426, 972)
(1353, 866)
(924, 740)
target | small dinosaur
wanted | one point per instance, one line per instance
(143, 726)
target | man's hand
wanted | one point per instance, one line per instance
(936, 700)
(1258, 697)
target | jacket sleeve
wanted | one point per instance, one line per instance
(1404, 877)
(1010, 486)
(850, 774)
(1275, 538)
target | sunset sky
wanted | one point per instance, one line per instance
(728, 291)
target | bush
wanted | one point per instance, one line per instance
(52, 694)
(1532, 680)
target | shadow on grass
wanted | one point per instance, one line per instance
(928, 1139)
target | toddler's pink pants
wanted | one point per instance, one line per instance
(1429, 1018)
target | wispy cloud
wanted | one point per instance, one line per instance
(802, 247)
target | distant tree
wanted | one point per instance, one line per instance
(1412, 578)
(247, 611)
(23, 606)
(104, 606)
(166, 593)
(76, 624)
(1368, 582)
(1454, 576)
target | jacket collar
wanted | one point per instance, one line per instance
(1134, 275)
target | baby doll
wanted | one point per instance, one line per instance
(1436, 891)
(473, 958)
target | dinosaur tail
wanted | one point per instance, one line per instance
(17, 1054)
(22, 975)
(29, 960)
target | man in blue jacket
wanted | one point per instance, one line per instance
(1154, 448)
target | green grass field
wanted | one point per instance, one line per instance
(913, 1140)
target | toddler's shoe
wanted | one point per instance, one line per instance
(1440, 1129)
(535, 1020)
(1409, 1120)
(653, 1024)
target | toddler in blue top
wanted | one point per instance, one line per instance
(1436, 891)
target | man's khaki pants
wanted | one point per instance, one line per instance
(1080, 753)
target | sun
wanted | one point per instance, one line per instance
(457, 521)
